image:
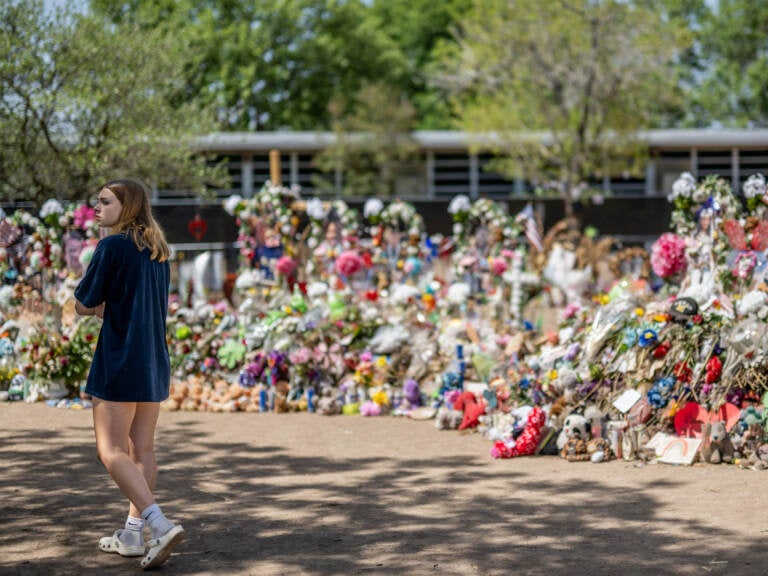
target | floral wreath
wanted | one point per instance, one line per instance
(272, 204)
(318, 212)
(689, 200)
(401, 215)
(468, 216)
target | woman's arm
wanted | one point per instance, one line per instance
(84, 311)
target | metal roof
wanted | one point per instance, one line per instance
(456, 140)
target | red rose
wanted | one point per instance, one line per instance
(714, 369)
(683, 372)
(661, 350)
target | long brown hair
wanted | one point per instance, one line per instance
(136, 217)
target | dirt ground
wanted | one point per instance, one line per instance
(265, 494)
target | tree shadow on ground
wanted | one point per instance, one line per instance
(259, 509)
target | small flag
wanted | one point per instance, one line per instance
(528, 220)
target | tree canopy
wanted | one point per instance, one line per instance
(83, 103)
(121, 86)
(562, 87)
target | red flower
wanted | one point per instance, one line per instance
(714, 369)
(661, 350)
(683, 372)
(371, 295)
(697, 319)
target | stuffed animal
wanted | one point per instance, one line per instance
(448, 418)
(328, 404)
(717, 446)
(528, 440)
(574, 426)
(471, 408)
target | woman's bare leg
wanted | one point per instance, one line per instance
(112, 423)
(142, 445)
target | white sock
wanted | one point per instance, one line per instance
(156, 520)
(133, 534)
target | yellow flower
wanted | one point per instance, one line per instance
(553, 374)
(381, 361)
(381, 398)
(639, 311)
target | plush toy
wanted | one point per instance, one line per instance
(328, 404)
(471, 408)
(448, 419)
(574, 426)
(575, 449)
(528, 440)
(717, 446)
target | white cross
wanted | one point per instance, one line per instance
(518, 279)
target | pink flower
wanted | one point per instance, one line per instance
(300, 355)
(370, 408)
(285, 265)
(571, 310)
(81, 215)
(668, 255)
(348, 263)
(498, 266)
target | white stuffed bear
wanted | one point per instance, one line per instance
(575, 426)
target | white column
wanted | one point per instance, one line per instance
(246, 176)
(430, 174)
(650, 178)
(294, 168)
(474, 180)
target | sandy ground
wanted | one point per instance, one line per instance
(267, 494)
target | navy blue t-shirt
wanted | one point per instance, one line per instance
(131, 362)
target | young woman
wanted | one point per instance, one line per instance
(127, 285)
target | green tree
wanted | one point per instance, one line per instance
(732, 88)
(561, 88)
(83, 102)
(417, 27)
(271, 64)
(372, 145)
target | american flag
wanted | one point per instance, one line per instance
(528, 220)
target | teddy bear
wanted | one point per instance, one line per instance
(448, 418)
(717, 445)
(575, 426)
(328, 404)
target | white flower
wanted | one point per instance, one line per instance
(457, 229)
(458, 293)
(700, 194)
(751, 302)
(754, 187)
(247, 279)
(373, 207)
(230, 204)
(459, 204)
(315, 209)
(86, 255)
(63, 221)
(6, 294)
(403, 293)
(51, 206)
(683, 187)
(317, 289)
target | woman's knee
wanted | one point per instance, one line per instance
(108, 453)
(141, 450)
